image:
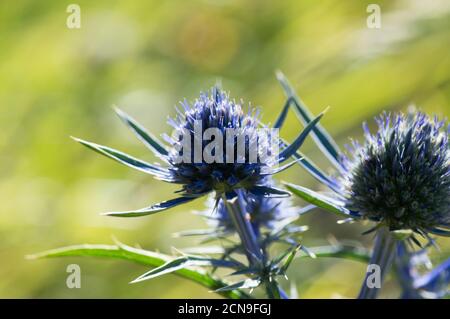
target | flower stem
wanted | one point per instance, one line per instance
(255, 255)
(244, 229)
(272, 289)
(382, 256)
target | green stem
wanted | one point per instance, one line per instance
(383, 256)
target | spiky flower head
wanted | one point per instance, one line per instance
(241, 152)
(400, 176)
(215, 110)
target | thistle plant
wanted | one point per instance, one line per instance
(399, 179)
(227, 173)
(238, 179)
(271, 220)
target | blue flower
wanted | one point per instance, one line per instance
(197, 176)
(400, 176)
(216, 110)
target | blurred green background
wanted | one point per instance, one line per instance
(145, 56)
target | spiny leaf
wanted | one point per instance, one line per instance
(308, 252)
(281, 256)
(313, 169)
(320, 200)
(125, 159)
(149, 140)
(267, 191)
(310, 167)
(289, 259)
(186, 261)
(340, 251)
(283, 114)
(143, 257)
(282, 168)
(294, 146)
(152, 209)
(323, 139)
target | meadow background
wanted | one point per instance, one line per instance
(145, 56)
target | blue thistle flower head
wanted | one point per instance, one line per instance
(244, 161)
(400, 176)
(216, 110)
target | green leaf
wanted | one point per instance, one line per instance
(310, 167)
(313, 169)
(169, 267)
(283, 114)
(308, 252)
(298, 142)
(125, 159)
(143, 257)
(323, 139)
(319, 200)
(152, 209)
(289, 259)
(184, 262)
(149, 140)
(280, 257)
(267, 191)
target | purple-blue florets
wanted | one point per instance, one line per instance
(401, 175)
(215, 109)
